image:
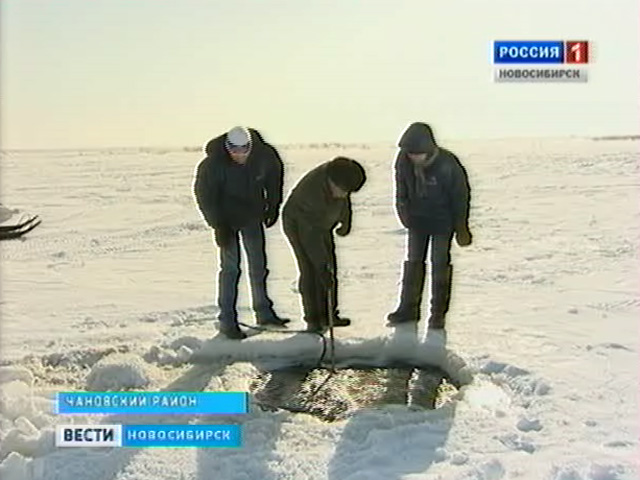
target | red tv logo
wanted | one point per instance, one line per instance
(576, 51)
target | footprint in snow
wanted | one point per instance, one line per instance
(619, 444)
(527, 425)
(499, 367)
(517, 442)
(518, 379)
(609, 346)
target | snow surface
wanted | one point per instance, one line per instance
(115, 290)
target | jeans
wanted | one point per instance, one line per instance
(253, 241)
(440, 257)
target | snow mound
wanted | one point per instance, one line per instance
(190, 342)
(26, 421)
(8, 374)
(6, 214)
(17, 398)
(490, 470)
(589, 471)
(175, 353)
(81, 357)
(119, 372)
(15, 467)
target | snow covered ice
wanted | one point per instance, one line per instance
(115, 290)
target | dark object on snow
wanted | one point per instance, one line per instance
(317, 204)
(238, 190)
(432, 201)
(10, 232)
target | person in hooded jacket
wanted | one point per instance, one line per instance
(318, 203)
(238, 190)
(432, 199)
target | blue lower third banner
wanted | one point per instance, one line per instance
(155, 403)
(138, 436)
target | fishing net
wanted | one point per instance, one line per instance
(335, 395)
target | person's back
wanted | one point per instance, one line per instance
(312, 201)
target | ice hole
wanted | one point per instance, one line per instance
(333, 396)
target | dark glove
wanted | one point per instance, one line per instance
(270, 217)
(343, 230)
(463, 236)
(223, 235)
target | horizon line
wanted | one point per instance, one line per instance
(321, 144)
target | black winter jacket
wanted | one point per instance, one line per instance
(433, 198)
(233, 195)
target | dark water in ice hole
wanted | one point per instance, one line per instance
(307, 390)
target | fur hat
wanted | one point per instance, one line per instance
(346, 173)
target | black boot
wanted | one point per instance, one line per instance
(411, 294)
(323, 321)
(310, 301)
(271, 320)
(337, 320)
(262, 304)
(440, 298)
(315, 325)
(232, 331)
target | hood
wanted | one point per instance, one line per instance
(256, 136)
(418, 137)
(216, 145)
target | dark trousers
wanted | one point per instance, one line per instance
(314, 250)
(253, 241)
(440, 250)
(439, 247)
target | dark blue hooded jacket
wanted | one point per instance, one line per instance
(433, 198)
(233, 195)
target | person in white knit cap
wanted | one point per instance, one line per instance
(238, 189)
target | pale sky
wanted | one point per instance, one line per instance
(110, 73)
